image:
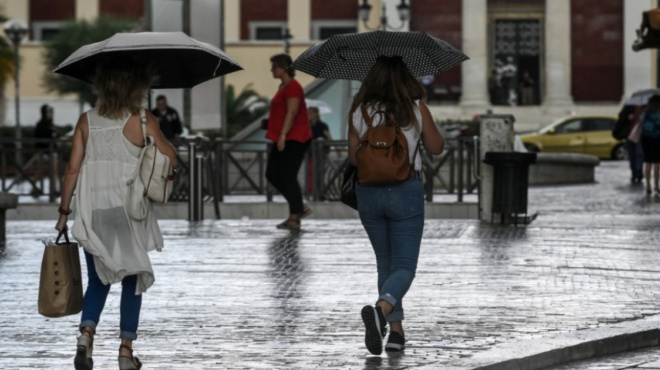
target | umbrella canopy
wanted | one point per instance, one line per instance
(351, 56)
(641, 97)
(179, 60)
(322, 106)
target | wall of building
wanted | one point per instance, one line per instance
(123, 8)
(596, 50)
(261, 10)
(440, 19)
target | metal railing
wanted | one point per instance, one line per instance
(211, 170)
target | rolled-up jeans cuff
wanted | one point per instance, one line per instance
(394, 315)
(127, 335)
(87, 323)
(387, 297)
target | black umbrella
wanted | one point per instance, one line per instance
(350, 56)
(179, 60)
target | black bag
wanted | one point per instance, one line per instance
(348, 195)
(621, 128)
(264, 124)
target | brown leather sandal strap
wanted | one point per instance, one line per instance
(123, 346)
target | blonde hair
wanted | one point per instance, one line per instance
(390, 85)
(121, 86)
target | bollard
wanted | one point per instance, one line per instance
(195, 199)
(7, 201)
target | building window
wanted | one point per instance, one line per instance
(45, 30)
(322, 30)
(267, 30)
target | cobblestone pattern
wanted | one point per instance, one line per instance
(243, 295)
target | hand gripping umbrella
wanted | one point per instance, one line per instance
(351, 56)
(179, 60)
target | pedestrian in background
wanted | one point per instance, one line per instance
(168, 119)
(288, 129)
(106, 144)
(45, 129)
(392, 215)
(650, 120)
(320, 129)
(627, 119)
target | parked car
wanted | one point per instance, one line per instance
(578, 134)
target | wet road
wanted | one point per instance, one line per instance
(243, 295)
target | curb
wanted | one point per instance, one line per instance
(537, 354)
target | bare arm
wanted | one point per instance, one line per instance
(161, 142)
(292, 105)
(353, 143)
(73, 168)
(433, 141)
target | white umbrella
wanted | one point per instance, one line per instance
(179, 60)
(641, 97)
(322, 106)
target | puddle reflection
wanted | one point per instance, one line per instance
(286, 275)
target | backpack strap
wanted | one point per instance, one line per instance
(368, 120)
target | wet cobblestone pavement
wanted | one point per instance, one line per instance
(234, 294)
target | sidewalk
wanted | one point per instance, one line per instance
(244, 295)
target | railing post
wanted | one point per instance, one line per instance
(52, 176)
(460, 169)
(269, 189)
(195, 201)
(429, 175)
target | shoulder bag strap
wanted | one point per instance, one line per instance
(143, 119)
(144, 205)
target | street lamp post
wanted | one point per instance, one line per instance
(365, 9)
(286, 36)
(16, 30)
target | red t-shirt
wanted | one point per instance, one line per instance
(300, 130)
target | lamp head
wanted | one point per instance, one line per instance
(16, 30)
(364, 10)
(404, 11)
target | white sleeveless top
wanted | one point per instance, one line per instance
(411, 133)
(102, 225)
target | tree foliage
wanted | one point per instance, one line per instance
(244, 108)
(72, 36)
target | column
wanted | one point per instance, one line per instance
(558, 53)
(299, 19)
(87, 9)
(232, 20)
(637, 65)
(475, 45)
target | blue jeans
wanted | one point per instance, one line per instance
(393, 217)
(95, 297)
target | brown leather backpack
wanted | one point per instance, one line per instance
(383, 152)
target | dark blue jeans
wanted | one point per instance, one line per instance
(393, 217)
(95, 297)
